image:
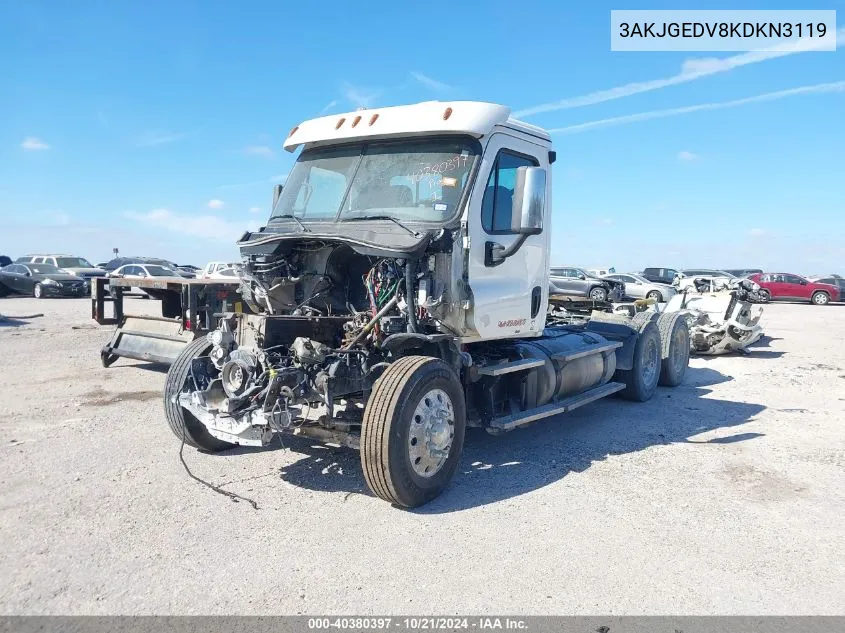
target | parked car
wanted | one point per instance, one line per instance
(42, 280)
(578, 282)
(660, 275)
(791, 287)
(117, 262)
(224, 274)
(833, 280)
(211, 268)
(743, 272)
(143, 271)
(68, 263)
(638, 287)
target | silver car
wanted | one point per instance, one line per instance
(638, 287)
(569, 280)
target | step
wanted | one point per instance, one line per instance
(512, 366)
(510, 422)
(565, 357)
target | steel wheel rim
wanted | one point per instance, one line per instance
(651, 363)
(431, 433)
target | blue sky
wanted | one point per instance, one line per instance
(156, 127)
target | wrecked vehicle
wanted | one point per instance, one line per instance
(721, 322)
(398, 294)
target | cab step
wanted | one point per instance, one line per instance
(510, 422)
(512, 366)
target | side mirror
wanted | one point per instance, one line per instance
(277, 192)
(529, 200)
(582, 277)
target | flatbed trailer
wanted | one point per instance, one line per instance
(188, 309)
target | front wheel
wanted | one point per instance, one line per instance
(598, 294)
(764, 296)
(655, 295)
(38, 291)
(820, 298)
(183, 424)
(413, 431)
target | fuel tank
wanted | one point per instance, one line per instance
(569, 366)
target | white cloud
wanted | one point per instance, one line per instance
(837, 86)
(428, 82)
(686, 156)
(691, 70)
(215, 204)
(757, 232)
(152, 139)
(358, 96)
(33, 144)
(255, 209)
(260, 150)
(208, 227)
(331, 104)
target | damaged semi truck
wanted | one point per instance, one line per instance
(398, 294)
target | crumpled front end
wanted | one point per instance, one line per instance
(720, 322)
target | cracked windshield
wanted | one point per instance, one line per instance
(421, 181)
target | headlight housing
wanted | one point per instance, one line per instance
(50, 282)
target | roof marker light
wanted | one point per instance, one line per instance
(447, 113)
(339, 123)
(293, 131)
(356, 120)
(373, 119)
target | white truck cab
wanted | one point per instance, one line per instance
(399, 293)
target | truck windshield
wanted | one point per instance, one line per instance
(73, 262)
(419, 180)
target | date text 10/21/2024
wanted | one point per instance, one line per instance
(416, 623)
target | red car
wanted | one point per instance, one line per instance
(789, 287)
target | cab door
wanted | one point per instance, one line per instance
(509, 298)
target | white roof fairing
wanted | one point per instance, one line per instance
(475, 118)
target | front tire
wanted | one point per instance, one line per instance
(38, 291)
(183, 424)
(764, 296)
(598, 294)
(413, 431)
(655, 296)
(820, 298)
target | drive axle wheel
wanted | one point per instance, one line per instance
(38, 291)
(183, 424)
(655, 295)
(674, 342)
(641, 381)
(413, 431)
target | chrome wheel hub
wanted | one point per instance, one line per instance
(431, 433)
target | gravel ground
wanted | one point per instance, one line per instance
(722, 496)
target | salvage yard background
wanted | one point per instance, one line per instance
(723, 496)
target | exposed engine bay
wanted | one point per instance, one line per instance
(325, 320)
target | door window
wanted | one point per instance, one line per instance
(793, 279)
(497, 204)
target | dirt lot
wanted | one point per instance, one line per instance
(725, 495)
